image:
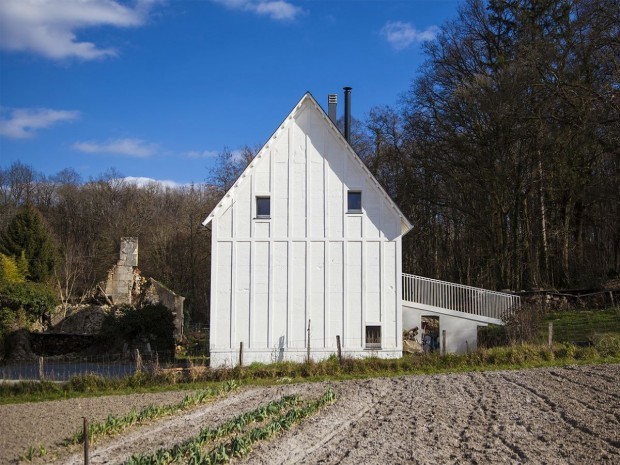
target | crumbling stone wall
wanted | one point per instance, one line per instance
(81, 319)
(79, 325)
(155, 292)
(123, 276)
(125, 286)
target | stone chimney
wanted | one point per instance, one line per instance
(121, 277)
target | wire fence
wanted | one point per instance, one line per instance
(63, 368)
(580, 333)
(58, 368)
(580, 328)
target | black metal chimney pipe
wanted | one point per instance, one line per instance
(347, 113)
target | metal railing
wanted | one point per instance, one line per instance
(457, 297)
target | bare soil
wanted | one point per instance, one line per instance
(555, 416)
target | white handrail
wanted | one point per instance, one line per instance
(459, 297)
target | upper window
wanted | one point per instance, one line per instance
(354, 201)
(263, 207)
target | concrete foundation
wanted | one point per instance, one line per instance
(461, 329)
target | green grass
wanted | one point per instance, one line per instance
(605, 349)
(584, 327)
(93, 386)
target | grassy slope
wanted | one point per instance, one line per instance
(582, 327)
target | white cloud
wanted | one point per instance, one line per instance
(141, 181)
(401, 35)
(201, 154)
(48, 27)
(279, 10)
(237, 156)
(131, 147)
(21, 123)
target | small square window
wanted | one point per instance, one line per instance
(263, 207)
(373, 337)
(354, 201)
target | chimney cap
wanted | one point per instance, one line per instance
(347, 88)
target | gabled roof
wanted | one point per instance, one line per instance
(306, 99)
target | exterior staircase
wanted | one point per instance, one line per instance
(473, 303)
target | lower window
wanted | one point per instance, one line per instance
(373, 337)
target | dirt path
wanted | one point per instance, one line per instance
(556, 416)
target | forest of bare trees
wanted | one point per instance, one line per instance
(505, 151)
(504, 154)
(87, 220)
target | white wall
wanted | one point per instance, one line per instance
(461, 333)
(311, 260)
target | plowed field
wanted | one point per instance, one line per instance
(555, 416)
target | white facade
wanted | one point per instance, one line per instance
(311, 260)
(461, 329)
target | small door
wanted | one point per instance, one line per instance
(430, 333)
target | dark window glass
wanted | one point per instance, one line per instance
(263, 207)
(355, 201)
(373, 337)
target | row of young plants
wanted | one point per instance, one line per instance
(114, 424)
(34, 452)
(236, 437)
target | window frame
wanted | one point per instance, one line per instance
(373, 345)
(354, 210)
(258, 199)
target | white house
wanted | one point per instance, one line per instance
(306, 246)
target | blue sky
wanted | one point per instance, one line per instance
(156, 88)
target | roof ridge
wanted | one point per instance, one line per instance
(308, 95)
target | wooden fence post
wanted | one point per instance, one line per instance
(41, 370)
(308, 354)
(138, 361)
(443, 342)
(86, 445)
(550, 335)
(241, 354)
(339, 349)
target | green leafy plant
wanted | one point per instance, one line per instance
(235, 437)
(114, 424)
(33, 452)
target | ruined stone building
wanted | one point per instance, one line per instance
(125, 285)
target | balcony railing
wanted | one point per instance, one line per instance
(457, 297)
